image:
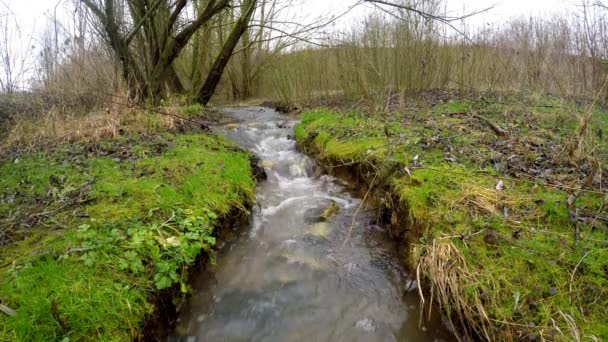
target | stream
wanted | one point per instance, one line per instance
(287, 276)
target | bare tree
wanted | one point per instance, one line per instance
(147, 36)
(238, 29)
(14, 52)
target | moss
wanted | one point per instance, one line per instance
(65, 298)
(506, 260)
(96, 230)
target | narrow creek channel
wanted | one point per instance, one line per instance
(288, 276)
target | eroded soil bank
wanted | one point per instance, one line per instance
(505, 236)
(96, 237)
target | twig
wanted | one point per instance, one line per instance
(574, 272)
(497, 129)
(7, 310)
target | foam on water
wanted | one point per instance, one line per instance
(288, 277)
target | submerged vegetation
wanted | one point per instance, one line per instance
(507, 237)
(91, 231)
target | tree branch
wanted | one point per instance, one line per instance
(93, 7)
(179, 6)
(427, 15)
(141, 22)
(210, 10)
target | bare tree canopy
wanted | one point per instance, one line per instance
(406, 6)
(147, 37)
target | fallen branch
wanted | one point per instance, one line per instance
(497, 129)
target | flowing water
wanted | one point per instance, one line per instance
(287, 276)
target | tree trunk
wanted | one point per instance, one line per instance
(147, 63)
(215, 75)
(173, 81)
(246, 66)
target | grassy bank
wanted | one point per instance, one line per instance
(506, 235)
(91, 232)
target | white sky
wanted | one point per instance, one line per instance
(503, 9)
(31, 12)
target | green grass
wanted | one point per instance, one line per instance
(192, 109)
(510, 254)
(91, 303)
(96, 231)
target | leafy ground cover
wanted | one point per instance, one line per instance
(89, 233)
(507, 231)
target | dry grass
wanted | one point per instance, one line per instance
(445, 267)
(56, 127)
(481, 200)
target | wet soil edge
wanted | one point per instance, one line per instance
(159, 324)
(392, 214)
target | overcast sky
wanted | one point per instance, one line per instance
(31, 12)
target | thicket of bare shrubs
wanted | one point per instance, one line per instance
(400, 50)
(74, 70)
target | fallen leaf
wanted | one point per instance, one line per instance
(500, 186)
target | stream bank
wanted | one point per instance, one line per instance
(492, 246)
(312, 264)
(97, 237)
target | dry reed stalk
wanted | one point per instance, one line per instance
(444, 267)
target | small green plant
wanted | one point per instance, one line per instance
(168, 247)
(110, 225)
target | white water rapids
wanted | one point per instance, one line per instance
(289, 277)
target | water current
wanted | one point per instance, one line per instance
(287, 275)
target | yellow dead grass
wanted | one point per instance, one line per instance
(56, 127)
